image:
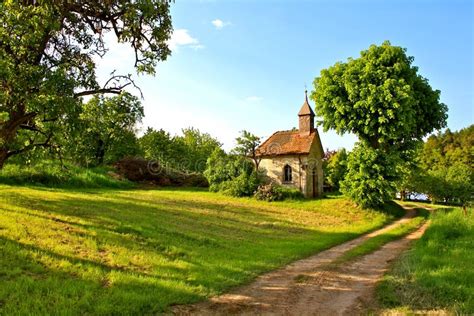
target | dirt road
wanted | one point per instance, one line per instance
(309, 286)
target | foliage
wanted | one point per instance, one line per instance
(161, 146)
(370, 178)
(140, 251)
(244, 184)
(444, 167)
(273, 192)
(247, 145)
(335, 168)
(381, 98)
(438, 273)
(52, 174)
(199, 146)
(48, 60)
(188, 152)
(106, 130)
(223, 168)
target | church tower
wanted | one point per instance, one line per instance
(306, 117)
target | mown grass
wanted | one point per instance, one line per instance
(52, 174)
(136, 251)
(438, 272)
(374, 243)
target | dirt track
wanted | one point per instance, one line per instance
(308, 286)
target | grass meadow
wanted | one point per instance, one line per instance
(438, 272)
(129, 251)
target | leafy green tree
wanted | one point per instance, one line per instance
(381, 98)
(445, 171)
(47, 60)
(371, 175)
(106, 129)
(336, 168)
(188, 152)
(161, 146)
(247, 144)
(199, 146)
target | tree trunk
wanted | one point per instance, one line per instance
(3, 156)
(100, 152)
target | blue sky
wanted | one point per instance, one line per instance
(244, 64)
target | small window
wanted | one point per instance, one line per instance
(287, 176)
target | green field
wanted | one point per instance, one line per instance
(438, 272)
(140, 251)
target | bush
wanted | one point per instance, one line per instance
(230, 174)
(272, 192)
(243, 185)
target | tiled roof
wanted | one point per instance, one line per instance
(286, 143)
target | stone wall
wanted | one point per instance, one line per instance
(302, 167)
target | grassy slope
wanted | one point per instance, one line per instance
(438, 273)
(132, 251)
(52, 174)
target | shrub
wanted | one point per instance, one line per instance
(230, 174)
(243, 185)
(272, 192)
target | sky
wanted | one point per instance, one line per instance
(244, 65)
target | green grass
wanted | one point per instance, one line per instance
(438, 272)
(372, 244)
(52, 174)
(139, 251)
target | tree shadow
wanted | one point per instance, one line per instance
(200, 247)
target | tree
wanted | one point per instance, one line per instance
(47, 51)
(188, 152)
(247, 145)
(106, 129)
(371, 175)
(161, 146)
(199, 146)
(336, 168)
(381, 98)
(445, 171)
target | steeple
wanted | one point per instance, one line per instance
(306, 117)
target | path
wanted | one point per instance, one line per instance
(308, 286)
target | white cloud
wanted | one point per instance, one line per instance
(181, 37)
(219, 24)
(253, 98)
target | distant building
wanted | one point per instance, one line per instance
(294, 158)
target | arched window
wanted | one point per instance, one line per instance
(287, 176)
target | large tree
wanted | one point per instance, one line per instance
(188, 152)
(381, 98)
(48, 50)
(106, 130)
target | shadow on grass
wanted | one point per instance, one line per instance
(186, 250)
(29, 286)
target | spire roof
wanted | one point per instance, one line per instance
(306, 108)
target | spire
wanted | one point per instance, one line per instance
(306, 108)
